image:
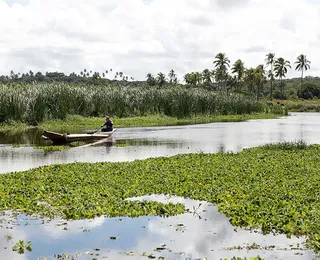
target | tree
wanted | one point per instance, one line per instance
(187, 78)
(270, 62)
(238, 68)
(206, 77)
(281, 69)
(193, 78)
(150, 79)
(172, 77)
(249, 79)
(302, 64)
(161, 79)
(221, 63)
(259, 78)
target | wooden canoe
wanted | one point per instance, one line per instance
(58, 138)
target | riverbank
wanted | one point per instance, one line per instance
(273, 188)
(85, 123)
(298, 105)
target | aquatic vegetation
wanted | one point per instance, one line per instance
(274, 188)
(121, 145)
(243, 258)
(21, 246)
(76, 123)
(51, 148)
(35, 103)
(8, 237)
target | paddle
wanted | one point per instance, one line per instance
(93, 132)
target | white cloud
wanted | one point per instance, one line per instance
(142, 36)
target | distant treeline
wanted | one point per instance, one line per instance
(267, 80)
(309, 89)
(59, 77)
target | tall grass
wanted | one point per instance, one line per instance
(35, 103)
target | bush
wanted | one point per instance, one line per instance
(309, 90)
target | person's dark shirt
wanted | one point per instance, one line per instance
(108, 124)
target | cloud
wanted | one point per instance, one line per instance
(232, 3)
(141, 36)
(256, 49)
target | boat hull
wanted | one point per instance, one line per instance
(58, 138)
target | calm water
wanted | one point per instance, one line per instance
(147, 142)
(203, 233)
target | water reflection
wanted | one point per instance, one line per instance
(28, 137)
(140, 143)
(200, 233)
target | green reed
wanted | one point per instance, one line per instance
(35, 103)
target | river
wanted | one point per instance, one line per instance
(203, 233)
(129, 144)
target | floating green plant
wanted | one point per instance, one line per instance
(121, 145)
(51, 148)
(275, 188)
(21, 246)
(243, 258)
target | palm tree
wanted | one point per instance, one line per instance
(161, 79)
(187, 78)
(281, 69)
(238, 68)
(197, 78)
(193, 78)
(302, 64)
(206, 77)
(221, 63)
(172, 76)
(270, 61)
(249, 79)
(259, 75)
(150, 79)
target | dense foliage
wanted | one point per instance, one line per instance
(36, 103)
(274, 187)
(309, 90)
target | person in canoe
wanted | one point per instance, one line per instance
(108, 125)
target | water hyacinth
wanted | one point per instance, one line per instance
(35, 103)
(274, 188)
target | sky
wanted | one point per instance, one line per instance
(142, 36)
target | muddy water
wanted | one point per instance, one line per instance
(141, 143)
